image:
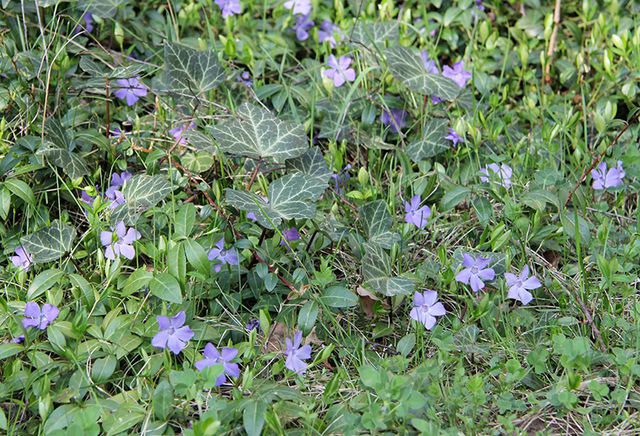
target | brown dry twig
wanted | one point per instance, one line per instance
(553, 41)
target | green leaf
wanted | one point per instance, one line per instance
(5, 203)
(3, 420)
(256, 133)
(162, 401)
(103, 369)
(71, 163)
(432, 142)
(307, 316)
(406, 344)
(166, 287)
(290, 197)
(568, 220)
(538, 199)
(141, 193)
(376, 271)
(185, 219)
(454, 197)
(190, 73)
(198, 162)
(177, 262)
(312, 164)
(136, 281)
(196, 256)
(407, 66)
(377, 222)
(50, 243)
(22, 190)
(43, 282)
(484, 210)
(8, 350)
(101, 8)
(338, 296)
(391, 286)
(253, 417)
(374, 33)
(60, 418)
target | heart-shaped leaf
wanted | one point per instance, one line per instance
(377, 223)
(141, 192)
(190, 73)
(50, 243)
(432, 142)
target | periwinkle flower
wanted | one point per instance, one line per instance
(480, 5)
(415, 214)
(130, 90)
(252, 216)
(40, 319)
(296, 355)
(291, 234)
(604, 179)
(475, 271)
(458, 74)
(86, 198)
(229, 7)
(123, 243)
(326, 32)
(253, 324)
(501, 173)
(396, 119)
(222, 256)
(172, 334)
(454, 137)
(298, 7)
(519, 286)
(22, 259)
(179, 131)
(426, 308)
(18, 339)
(429, 64)
(340, 179)
(224, 357)
(339, 70)
(113, 192)
(88, 24)
(245, 79)
(302, 27)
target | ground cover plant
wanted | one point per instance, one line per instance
(319, 217)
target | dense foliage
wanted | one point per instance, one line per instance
(319, 217)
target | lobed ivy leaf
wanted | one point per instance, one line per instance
(256, 133)
(375, 33)
(376, 270)
(58, 150)
(432, 142)
(377, 222)
(312, 164)
(406, 65)
(50, 243)
(101, 8)
(141, 193)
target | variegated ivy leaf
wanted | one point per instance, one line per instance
(190, 73)
(375, 33)
(376, 271)
(377, 223)
(407, 66)
(141, 193)
(50, 243)
(256, 133)
(98, 69)
(101, 8)
(290, 197)
(312, 164)
(58, 150)
(432, 142)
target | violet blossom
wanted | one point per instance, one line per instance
(179, 131)
(253, 324)
(415, 214)
(113, 192)
(22, 259)
(296, 355)
(603, 179)
(222, 256)
(475, 271)
(130, 90)
(289, 235)
(229, 7)
(211, 356)
(426, 309)
(340, 179)
(339, 70)
(326, 32)
(501, 173)
(40, 319)
(172, 333)
(396, 119)
(88, 24)
(454, 137)
(429, 64)
(245, 79)
(298, 7)
(123, 243)
(302, 27)
(457, 73)
(519, 286)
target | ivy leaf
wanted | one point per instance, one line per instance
(50, 243)
(377, 223)
(58, 150)
(141, 193)
(374, 33)
(290, 197)
(190, 73)
(376, 270)
(256, 133)
(406, 65)
(312, 164)
(101, 8)
(432, 142)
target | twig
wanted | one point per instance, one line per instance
(552, 41)
(107, 112)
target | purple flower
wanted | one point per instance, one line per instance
(253, 324)
(123, 245)
(252, 216)
(339, 70)
(296, 355)
(326, 33)
(86, 198)
(214, 357)
(298, 7)
(502, 174)
(130, 90)
(18, 339)
(224, 257)
(229, 7)
(479, 5)
(454, 137)
(415, 214)
(88, 24)
(302, 27)
(340, 179)
(603, 179)
(172, 333)
(245, 79)
(519, 286)
(291, 234)
(22, 259)
(426, 309)
(113, 192)
(475, 271)
(40, 319)
(429, 64)
(458, 74)
(396, 119)
(178, 132)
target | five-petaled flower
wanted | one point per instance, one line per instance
(291, 234)
(475, 271)
(298, 7)
(222, 256)
(339, 70)
(179, 131)
(172, 333)
(40, 319)
(123, 243)
(296, 355)
(302, 27)
(519, 286)
(22, 259)
(130, 90)
(223, 357)
(415, 214)
(326, 32)
(429, 64)
(229, 7)
(458, 74)
(603, 179)
(395, 118)
(113, 192)
(501, 173)
(454, 137)
(426, 309)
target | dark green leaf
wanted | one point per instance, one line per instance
(50, 243)
(253, 417)
(338, 296)
(432, 143)
(166, 287)
(190, 73)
